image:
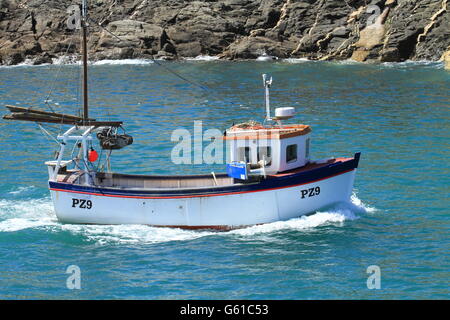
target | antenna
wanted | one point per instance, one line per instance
(267, 83)
(85, 70)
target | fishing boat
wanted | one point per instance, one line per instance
(269, 177)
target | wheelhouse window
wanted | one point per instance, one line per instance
(244, 154)
(265, 153)
(291, 153)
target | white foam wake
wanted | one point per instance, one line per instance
(16, 215)
(104, 234)
(336, 215)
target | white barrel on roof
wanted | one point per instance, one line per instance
(284, 113)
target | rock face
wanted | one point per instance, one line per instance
(446, 59)
(363, 30)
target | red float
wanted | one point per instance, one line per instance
(92, 155)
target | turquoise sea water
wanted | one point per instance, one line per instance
(397, 115)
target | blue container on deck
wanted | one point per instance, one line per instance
(237, 170)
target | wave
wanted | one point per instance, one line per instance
(266, 57)
(21, 191)
(411, 63)
(25, 63)
(123, 62)
(63, 60)
(74, 61)
(347, 62)
(296, 60)
(350, 62)
(202, 58)
(38, 213)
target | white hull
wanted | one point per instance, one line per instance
(218, 211)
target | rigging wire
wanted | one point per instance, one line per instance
(48, 134)
(56, 78)
(156, 61)
(99, 160)
(179, 76)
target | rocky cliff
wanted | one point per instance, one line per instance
(363, 30)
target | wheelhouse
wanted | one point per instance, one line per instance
(269, 150)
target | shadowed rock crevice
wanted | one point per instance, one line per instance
(406, 47)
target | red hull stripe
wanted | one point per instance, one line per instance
(198, 195)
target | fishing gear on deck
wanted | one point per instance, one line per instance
(110, 140)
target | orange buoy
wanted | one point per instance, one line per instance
(92, 155)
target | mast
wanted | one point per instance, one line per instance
(85, 61)
(41, 116)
